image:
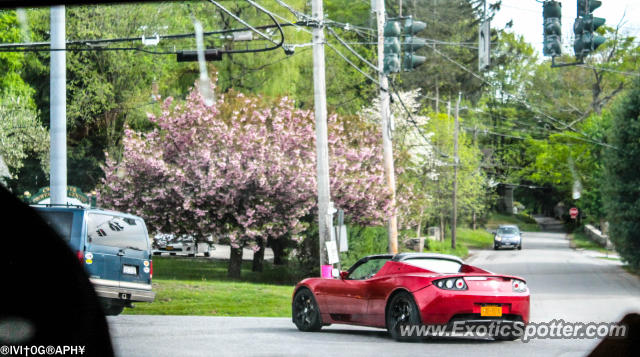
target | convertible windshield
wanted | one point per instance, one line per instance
(508, 230)
(442, 266)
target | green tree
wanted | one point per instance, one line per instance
(622, 178)
(21, 133)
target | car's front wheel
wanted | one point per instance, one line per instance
(305, 312)
(402, 311)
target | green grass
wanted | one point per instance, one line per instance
(445, 248)
(610, 258)
(465, 239)
(478, 239)
(525, 223)
(216, 298)
(582, 241)
(188, 286)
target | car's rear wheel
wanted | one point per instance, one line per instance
(111, 307)
(402, 311)
(305, 311)
(520, 247)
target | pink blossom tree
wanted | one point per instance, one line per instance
(243, 168)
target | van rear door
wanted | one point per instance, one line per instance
(135, 260)
(120, 247)
(102, 255)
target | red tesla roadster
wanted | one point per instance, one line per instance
(389, 291)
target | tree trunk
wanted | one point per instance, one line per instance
(278, 247)
(235, 263)
(258, 257)
(474, 221)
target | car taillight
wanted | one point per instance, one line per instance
(451, 284)
(80, 255)
(518, 286)
(150, 269)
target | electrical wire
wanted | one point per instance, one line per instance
(414, 123)
(635, 74)
(132, 39)
(266, 49)
(353, 64)
(374, 67)
(524, 102)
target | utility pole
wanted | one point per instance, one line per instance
(322, 146)
(58, 107)
(456, 162)
(385, 113)
(400, 8)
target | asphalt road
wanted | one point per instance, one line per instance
(564, 283)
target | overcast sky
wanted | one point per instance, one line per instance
(527, 19)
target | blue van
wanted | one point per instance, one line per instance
(114, 248)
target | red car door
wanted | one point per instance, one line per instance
(348, 298)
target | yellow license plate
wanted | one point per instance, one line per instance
(169, 247)
(495, 311)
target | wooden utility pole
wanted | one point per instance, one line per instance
(322, 146)
(385, 113)
(456, 162)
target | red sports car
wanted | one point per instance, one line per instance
(389, 291)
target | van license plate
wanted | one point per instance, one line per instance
(129, 269)
(125, 296)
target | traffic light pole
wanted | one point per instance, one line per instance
(58, 100)
(385, 113)
(322, 146)
(556, 65)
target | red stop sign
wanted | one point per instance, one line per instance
(573, 212)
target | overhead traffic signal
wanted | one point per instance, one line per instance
(412, 43)
(586, 40)
(392, 32)
(552, 22)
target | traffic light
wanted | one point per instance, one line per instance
(413, 43)
(586, 41)
(392, 32)
(552, 22)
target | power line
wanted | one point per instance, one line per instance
(522, 101)
(352, 64)
(636, 74)
(374, 67)
(414, 123)
(260, 33)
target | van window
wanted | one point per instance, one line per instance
(60, 222)
(114, 231)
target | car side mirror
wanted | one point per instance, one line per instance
(344, 275)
